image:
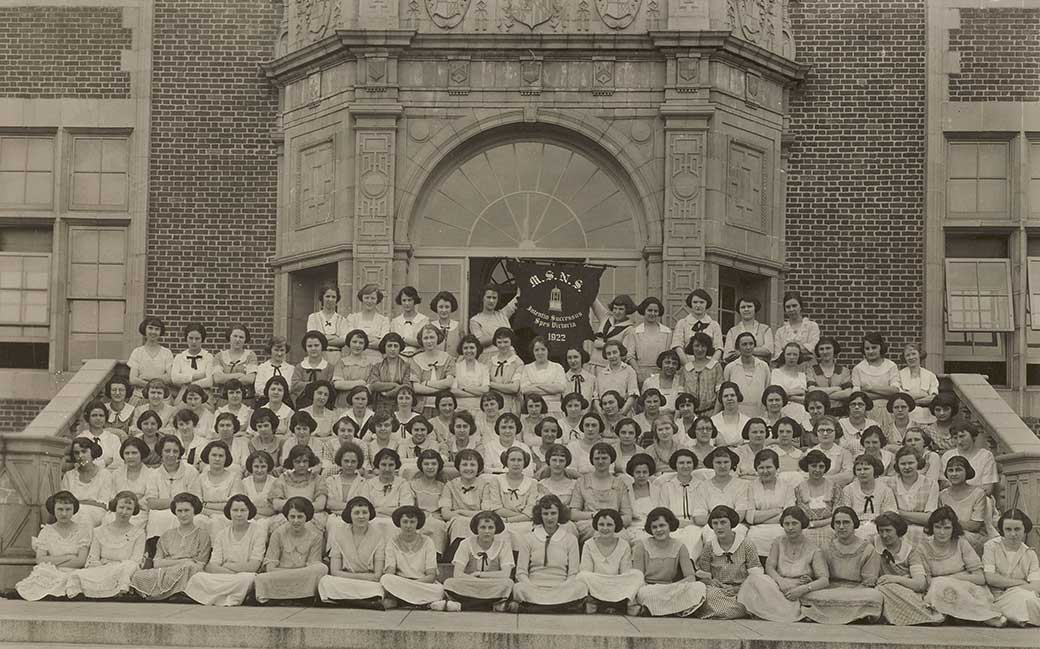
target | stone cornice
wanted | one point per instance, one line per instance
(348, 44)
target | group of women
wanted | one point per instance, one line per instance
(716, 487)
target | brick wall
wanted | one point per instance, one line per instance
(15, 414)
(50, 52)
(999, 55)
(855, 186)
(213, 167)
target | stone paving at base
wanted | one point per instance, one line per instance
(184, 625)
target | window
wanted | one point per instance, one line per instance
(25, 273)
(100, 176)
(26, 171)
(977, 186)
(978, 305)
(96, 293)
(978, 295)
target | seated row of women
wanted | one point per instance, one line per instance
(848, 579)
(756, 480)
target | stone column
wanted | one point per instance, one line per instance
(30, 472)
(686, 145)
(375, 135)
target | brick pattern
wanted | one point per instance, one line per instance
(855, 182)
(15, 414)
(999, 55)
(52, 52)
(213, 167)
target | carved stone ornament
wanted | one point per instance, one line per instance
(458, 77)
(314, 17)
(618, 14)
(603, 77)
(687, 73)
(531, 14)
(747, 17)
(447, 13)
(531, 76)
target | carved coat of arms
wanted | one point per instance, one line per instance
(618, 14)
(530, 13)
(314, 18)
(751, 17)
(447, 13)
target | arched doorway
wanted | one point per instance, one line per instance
(525, 191)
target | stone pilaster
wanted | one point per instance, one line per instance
(686, 150)
(375, 135)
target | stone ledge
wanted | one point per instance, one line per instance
(112, 624)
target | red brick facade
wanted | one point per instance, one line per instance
(52, 52)
(855, 189)
(16, 413)
(213, 167)
(999, 55)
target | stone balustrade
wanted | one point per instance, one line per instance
(31, 464)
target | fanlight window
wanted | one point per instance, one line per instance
(529, 195)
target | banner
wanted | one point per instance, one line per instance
(554, 302)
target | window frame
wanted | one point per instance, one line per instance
(978, 295)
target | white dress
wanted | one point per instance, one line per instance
(404, 566)
(358, 556)
(473, 559)
(729, 434)
(218, 492)
(610, 577)
(115, 555)
(1018, 604)
(139, 485)
(99, 489)
(211, 589)
(46, 579)
(781, 496)
(553, 374)
(166, 485)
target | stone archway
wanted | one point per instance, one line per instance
(528, 189)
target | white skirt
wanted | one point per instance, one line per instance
(101, 582)
(470, 587)
(91, 515)
(411, 591)
(220, 589)
(1018, 605)
(332, 589)
(691, 536)
(613, 588)
(680, 598)
(45, 580)
(762, 597)
(762, 536)
(550, 594)
(437, 530)
(458, 527)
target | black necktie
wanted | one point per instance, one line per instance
(408, 322)
(548, 537)
(194, 362)
(868, 503)
(887, 556)
(277, 370)
(699, 326)
(685, 501)
(328, 324)
(312, 375)
(515, 493)
(417, 449)
(728, 556)
(468, 489)
(499, 369)
(483, 561)
(578, 380)
(387, 488)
